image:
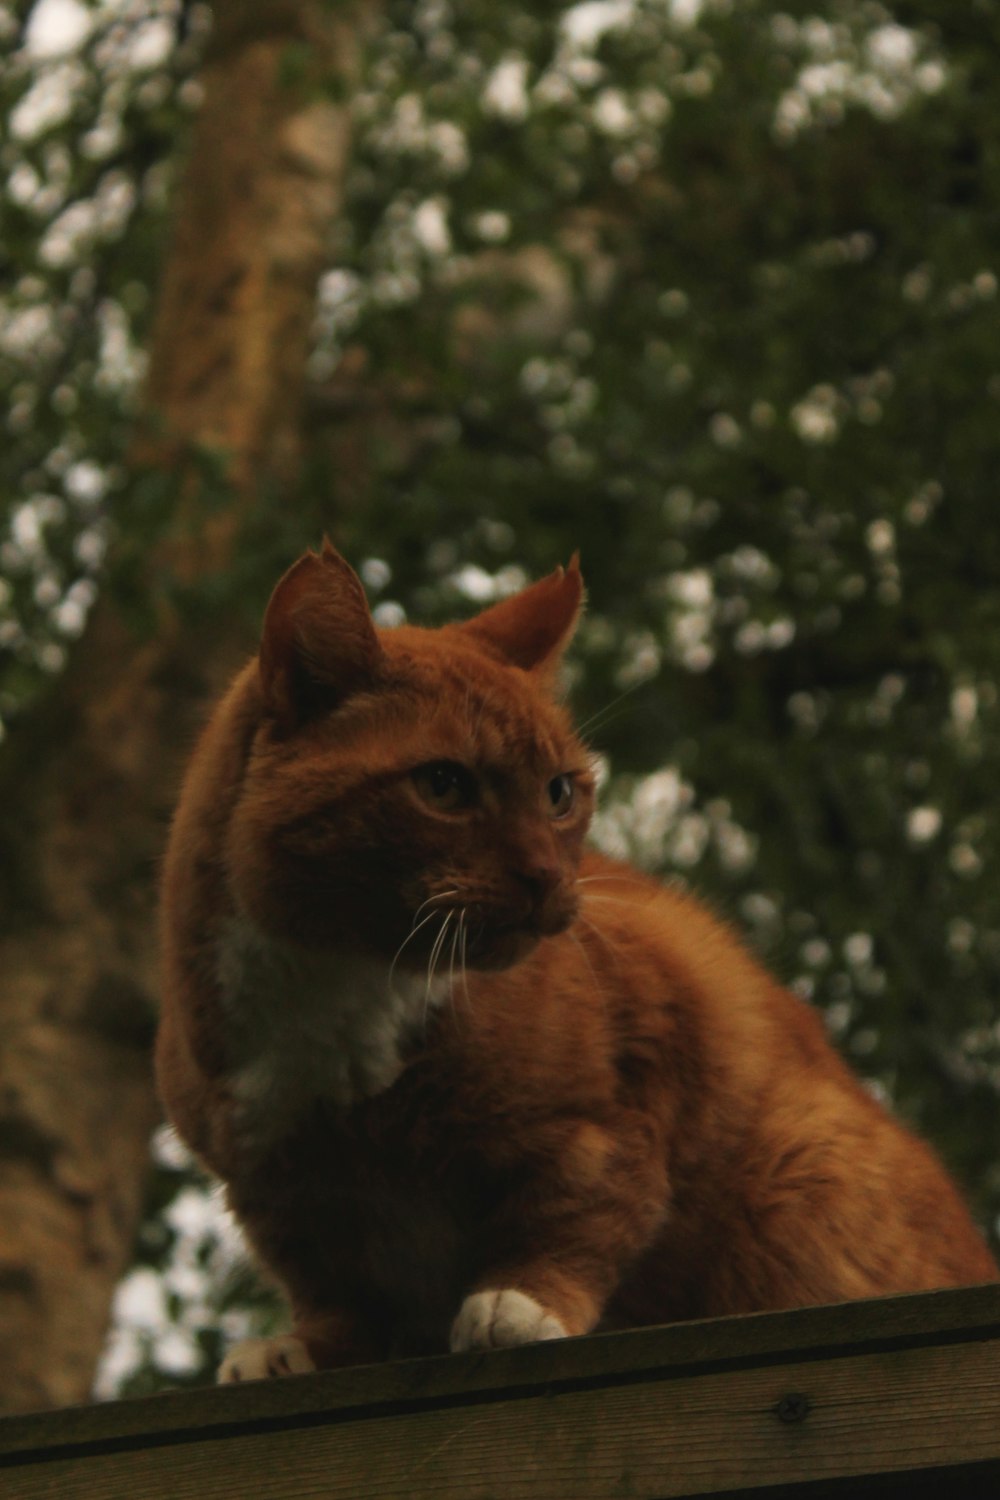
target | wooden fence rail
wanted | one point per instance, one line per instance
(899, 1396)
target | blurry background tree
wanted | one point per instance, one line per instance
(217, 433)
(709, 290)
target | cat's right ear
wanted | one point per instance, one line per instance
(318, 644)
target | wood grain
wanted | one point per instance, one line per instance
(591, 1418)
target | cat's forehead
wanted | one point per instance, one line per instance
(463, 697)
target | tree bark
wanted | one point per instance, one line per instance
(89, 779)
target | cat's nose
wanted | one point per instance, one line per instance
(539, 875)
(552, 901)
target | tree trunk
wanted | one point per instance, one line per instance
(92, 774)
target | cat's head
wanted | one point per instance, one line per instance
(399, 775)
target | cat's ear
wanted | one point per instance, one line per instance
(318, 644)
(532, 629)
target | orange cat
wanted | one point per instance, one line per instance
(467, 1082)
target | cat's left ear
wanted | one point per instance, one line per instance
(532, 629)
(318, 643)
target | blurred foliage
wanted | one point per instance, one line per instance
(709, 291)
(94, 100)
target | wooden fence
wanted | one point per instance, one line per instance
(899, 1396)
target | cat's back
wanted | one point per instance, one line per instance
(774, 1142)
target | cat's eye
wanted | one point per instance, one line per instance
(445, 785)
(560, 793)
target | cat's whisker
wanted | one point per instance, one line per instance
(602, 937)
(432, 962)
(408, 938)
(441, 896)
(415, 927)
(451, 962)
(608, 900)
(463, 929)
(586, 958)
(602, 713)
(461, 940)
(641, 894)
(626, 906)
(438, 944)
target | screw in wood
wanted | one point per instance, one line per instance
(792, 1408)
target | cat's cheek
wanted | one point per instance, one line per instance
(501, 1319)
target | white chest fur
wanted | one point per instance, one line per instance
(304, 1026)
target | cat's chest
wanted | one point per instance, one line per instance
(307, 1028)
(410, 1241)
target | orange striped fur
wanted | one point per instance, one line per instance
(464, 1079)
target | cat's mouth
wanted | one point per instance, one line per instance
(483, 931)
(499, 943)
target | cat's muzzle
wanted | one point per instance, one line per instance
(499, 941)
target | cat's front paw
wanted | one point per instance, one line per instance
(257, 1359)
(499, 1319)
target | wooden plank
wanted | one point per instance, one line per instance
(902, 1385)
(802, 1333)
(683, 1435)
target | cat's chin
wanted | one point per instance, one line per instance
(504, 954)
(502, 948)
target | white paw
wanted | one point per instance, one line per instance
(496, 1320)
(256, 1359)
